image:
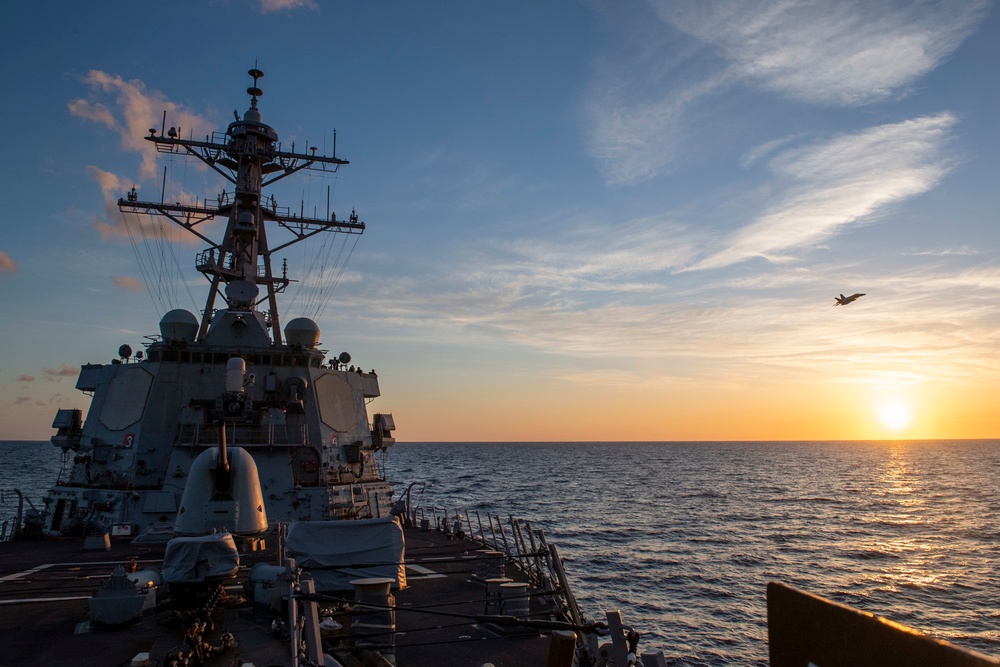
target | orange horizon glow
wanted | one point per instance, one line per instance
(819, 414)
(546, 408)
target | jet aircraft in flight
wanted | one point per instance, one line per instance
(844, 300)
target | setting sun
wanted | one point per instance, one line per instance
(895, 415)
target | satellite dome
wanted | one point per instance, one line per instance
(252, 116)
(302, 331)
(179, 325)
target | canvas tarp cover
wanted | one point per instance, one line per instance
(335, 552)
(190, 560)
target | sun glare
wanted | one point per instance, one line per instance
(895, 416)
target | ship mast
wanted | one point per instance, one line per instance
(249, 156)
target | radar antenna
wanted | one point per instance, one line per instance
(249, 156)
(254, 92)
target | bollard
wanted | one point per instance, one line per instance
(489, 564)
(515, 599)
(494, 605)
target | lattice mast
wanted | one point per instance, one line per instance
(249, 156)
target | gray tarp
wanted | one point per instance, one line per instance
(189, 560)
(338, 551)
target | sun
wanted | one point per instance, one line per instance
(895, 415)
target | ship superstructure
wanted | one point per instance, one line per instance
(231, 372)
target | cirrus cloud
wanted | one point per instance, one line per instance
(652, 102)
(830, 185)
(838, 53)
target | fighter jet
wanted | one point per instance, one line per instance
(844, 300)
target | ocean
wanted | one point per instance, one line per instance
(683, 537)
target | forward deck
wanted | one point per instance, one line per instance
(45, 588)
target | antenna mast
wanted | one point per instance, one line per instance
(249, 157)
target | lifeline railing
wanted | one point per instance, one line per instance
(519, 541)
(527, 549)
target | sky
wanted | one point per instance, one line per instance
(586, 220)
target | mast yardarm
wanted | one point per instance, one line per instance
(249, 156)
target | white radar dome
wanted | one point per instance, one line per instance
(179, 325)
(302, 331)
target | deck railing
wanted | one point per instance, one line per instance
(514, 540)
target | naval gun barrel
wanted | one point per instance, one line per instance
(223, 474)
(223, 460)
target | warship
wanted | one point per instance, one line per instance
(224, 501)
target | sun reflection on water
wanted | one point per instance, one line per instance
(913, 555)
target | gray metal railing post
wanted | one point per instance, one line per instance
(495, 544)
(537, 558)
(522, 552)
(482, 535)
(503, 536)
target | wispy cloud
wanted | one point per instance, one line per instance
(7, 265)
(842, 53)
(985, 279)
(829, 185)
(94, 111)
(632, 320)
(135, 108)
(916, 327)
(129, 108)
(596, 256)
(141, 228)
(960, 251)
(128, 283)
(833, 54)
(763, 150)
(505, 287)
(64, 370)
(26, 378)
(268, 6)
(112, 188)
(636, 136)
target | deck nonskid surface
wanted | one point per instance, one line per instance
(45, 588)
(457, 591)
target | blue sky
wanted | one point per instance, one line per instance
(586, 220)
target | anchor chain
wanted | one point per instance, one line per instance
(196, 649)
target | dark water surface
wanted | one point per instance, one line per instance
(683, 537)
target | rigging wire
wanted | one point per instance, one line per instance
(326, 267)
(320, 260)
(178, 273)
(319, 273)
(159, 238)
(155, 287)
(138, 258)
(328, 294)
(157, 259)
(159, 262)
